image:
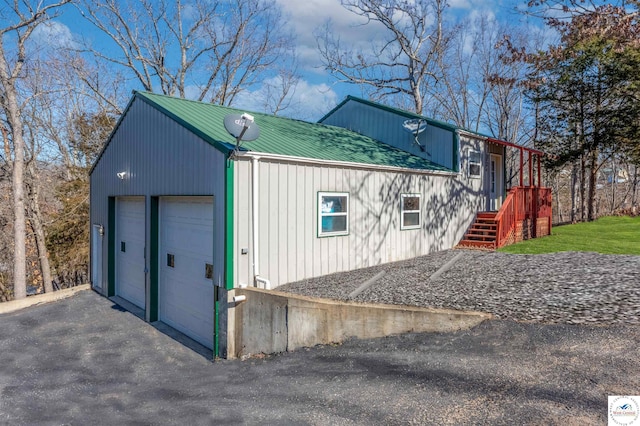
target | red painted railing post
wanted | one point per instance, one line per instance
(521, 166)
(530, 169)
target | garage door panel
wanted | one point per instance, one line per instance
(186, 295)
(130, 245)
(176, 241)
(188, 307)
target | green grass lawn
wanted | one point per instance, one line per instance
(608, 235)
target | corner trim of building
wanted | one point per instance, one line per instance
(228, 219)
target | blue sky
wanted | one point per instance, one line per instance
(317, 92)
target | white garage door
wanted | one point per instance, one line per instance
(130, 227)
(186, 266)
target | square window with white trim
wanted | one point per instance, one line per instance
(410, 215)
(475, 164)
(333, 214)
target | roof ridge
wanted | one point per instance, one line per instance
(395, 110)
(210, 104)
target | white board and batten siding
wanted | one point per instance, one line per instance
(289, 247)
(160, 157)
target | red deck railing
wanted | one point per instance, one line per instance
(523, 203)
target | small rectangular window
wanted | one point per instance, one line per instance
(170, 260)
(208, 271)
(475, 164)
(333, 213)
(410, 216)
(123, 246)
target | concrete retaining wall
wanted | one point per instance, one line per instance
(272, 321)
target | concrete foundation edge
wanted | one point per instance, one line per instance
(16, 305)
(272, 322)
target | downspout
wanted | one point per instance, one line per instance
(254, 220)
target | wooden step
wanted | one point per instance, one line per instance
(482, 234)
(486, 219)
(476, 244)
(487, 215)
(484, 226)
(479, 237)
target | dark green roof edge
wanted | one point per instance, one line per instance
(221, 146)
(431, 121)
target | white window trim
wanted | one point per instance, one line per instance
(321, 215)
(479, 163)
(403, 211)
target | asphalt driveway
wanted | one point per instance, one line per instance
(83, 360)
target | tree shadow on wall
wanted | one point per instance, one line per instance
(448, 206)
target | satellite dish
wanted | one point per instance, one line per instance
(415, 126)
(242, 127)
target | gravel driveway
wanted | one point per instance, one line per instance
(561, 288)
(83, 360)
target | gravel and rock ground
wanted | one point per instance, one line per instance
(560, 288)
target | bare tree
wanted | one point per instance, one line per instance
(21, 18)
(508, 114)
(462, 93)
(60, 103)
(279, 93)
(404, 61)
(208, 50)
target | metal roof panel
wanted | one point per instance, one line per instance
(285, 136)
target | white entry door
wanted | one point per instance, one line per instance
(96, 256)
(495, 182)
(130, 246)
(186, 298)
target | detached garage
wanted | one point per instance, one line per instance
(181, 216)
(158, 220)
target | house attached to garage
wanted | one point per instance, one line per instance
(180, 215)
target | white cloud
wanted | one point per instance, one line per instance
(53, 34)
(308, 102)
(307, 17)
(315, 99)
(460, 4)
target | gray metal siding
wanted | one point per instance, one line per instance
(386, 127)
(161, 158)
(289, 247)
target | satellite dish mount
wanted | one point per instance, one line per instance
(242, 127)
(415, 126)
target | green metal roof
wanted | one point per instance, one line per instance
(284, 136)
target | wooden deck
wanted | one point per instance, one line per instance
(525, 214)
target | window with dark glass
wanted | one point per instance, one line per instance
(410, 217)
(475, 164)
